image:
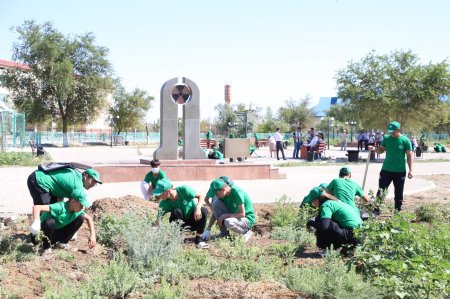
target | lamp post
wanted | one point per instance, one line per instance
(328, 131)
(352, 125)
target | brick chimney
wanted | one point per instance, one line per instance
(227, 94)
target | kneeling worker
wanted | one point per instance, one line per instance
(233, 211)
(181, 204)
(335, 223)
(61, 220)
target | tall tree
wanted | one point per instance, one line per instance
(68, 77)
(130, 108)
(226, 121)
(296, 113)
(380, 88)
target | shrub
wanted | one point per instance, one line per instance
(305, 213)
(332, 279)
(110, 230)
(236, 248)
(150, 247)
(300, 236)
(19, 159)
(197, 263)
(285, 212)
(432, 212)
(116, 280)
(406, 259)
(14, 249)
(167, 291)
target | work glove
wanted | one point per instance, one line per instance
(206, 234)
(35, 227)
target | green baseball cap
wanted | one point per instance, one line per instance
(94, 174)
(215, 186)
(393, 126)
(315, 192)
(79, 195)
(344, 171)
(162, 186)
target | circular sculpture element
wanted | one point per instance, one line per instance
(181, 94)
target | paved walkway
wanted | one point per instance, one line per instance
(15, 197)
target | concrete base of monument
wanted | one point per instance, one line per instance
(189, 170)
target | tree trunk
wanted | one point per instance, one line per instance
(65, 141)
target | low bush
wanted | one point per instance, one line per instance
(19, 159)
(409, 260)
(13, 249)
(300, 236)
(433, 212)
(285, 212)
(332, 279)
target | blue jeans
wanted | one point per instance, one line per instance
(296, 151)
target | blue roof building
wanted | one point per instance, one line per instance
(325, 103)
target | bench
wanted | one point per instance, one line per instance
(37, 150)
(320, 151)
(205, 143)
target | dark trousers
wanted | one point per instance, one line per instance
(334, 235)
(360, 145)
(198, 226)
(62, 235)
(280, 148)
(398, 178)
(39, 195)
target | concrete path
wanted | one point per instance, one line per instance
(15, 197)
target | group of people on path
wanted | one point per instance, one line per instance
(231, 206)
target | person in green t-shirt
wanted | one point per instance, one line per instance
(233, 211)
(61, 220)
(213, 197)
(335, 223)
(345, 189)
(183, 203)
(151, 178)
(316, 192)
(393, 170)
(50, 187)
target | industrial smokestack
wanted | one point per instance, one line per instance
(227, 94)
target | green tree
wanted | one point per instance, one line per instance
(130, 108)
(380, 88)
(297, 113)
(226, 121)
(68, 77)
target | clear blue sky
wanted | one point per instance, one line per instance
(268, 51)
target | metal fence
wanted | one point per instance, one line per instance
(12, 129)
(13, 134)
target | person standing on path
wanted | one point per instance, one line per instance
(344, 140)
(279, 142)
(393, 170)
(297, 135)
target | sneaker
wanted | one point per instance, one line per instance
(206, 235)
(74, 237)
(60, 245)
(248, 235)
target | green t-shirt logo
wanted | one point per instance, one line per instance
(185, 202)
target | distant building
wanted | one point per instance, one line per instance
(325, 104)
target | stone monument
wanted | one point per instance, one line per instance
(173, 93)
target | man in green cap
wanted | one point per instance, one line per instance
(185, 204)
(234, 210)
(393, 170)
(345, 188)
(61, 220)
(49, 187)
(151, 178)
(316, 193)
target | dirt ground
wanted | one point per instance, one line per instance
(25, 279)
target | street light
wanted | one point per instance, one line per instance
(352, 125)
(329, 120)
